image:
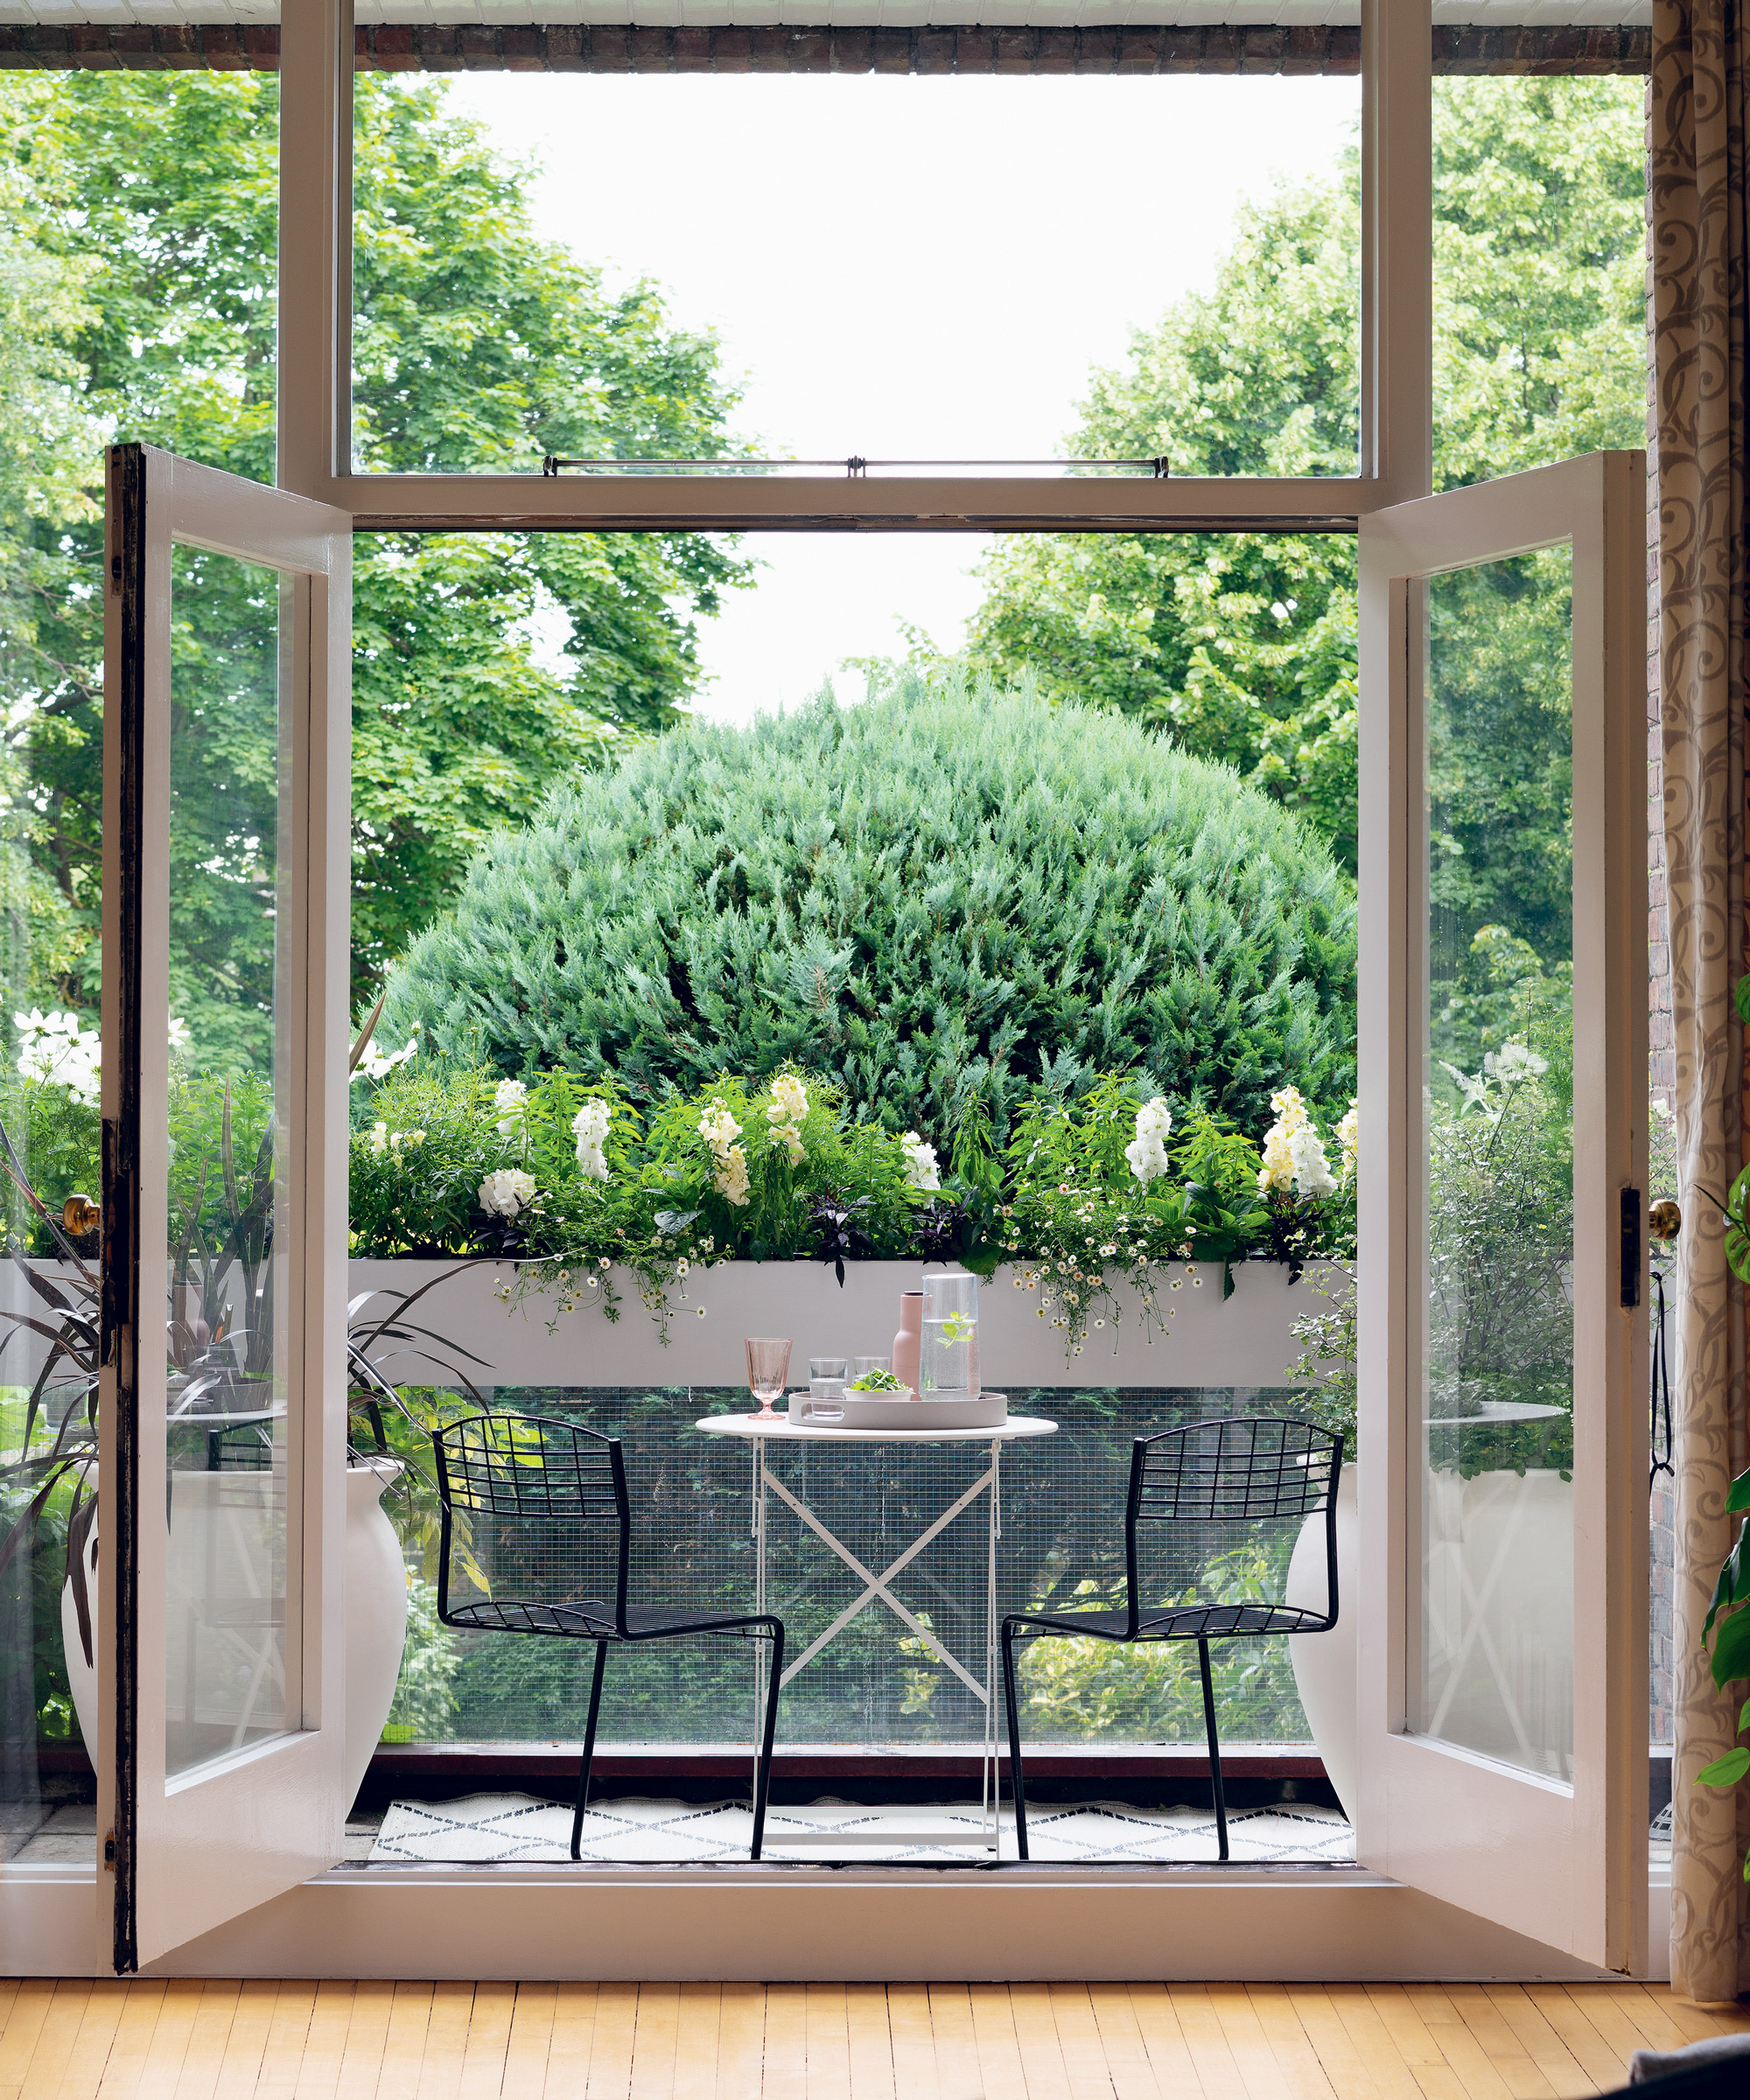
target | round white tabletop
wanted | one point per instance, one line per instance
(784, 1430)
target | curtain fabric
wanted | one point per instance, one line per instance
(1697, 207)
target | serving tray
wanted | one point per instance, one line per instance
(903, 1411)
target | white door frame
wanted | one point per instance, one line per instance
(185, 1853)
(1566, 1866)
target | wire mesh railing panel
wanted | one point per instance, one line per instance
(881, 1678)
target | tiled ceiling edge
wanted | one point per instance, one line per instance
(621, 48)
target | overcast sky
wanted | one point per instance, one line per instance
(899, 268)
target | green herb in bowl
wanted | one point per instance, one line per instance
(877, 1382)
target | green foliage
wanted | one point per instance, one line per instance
(1149, 1691)
(1242, 648)
(1500, 736)
(1328, 1361)
(424, 1692)
(1499, 1252)
(141, 218)
(1081, 1217)
(950, 899)
(427, 1138)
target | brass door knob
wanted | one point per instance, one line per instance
(1664, 1221)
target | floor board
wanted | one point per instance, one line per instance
(832, 2041)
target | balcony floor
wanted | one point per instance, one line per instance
(504, 1827)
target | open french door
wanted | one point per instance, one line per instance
(227, 729)
(1502, 1275)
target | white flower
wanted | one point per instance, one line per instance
(1293, 1150)
(57, 1052)
(1474, 1089)
(789, 1100)
(379, 1139)
(731, 1178)
(1154, 1119)
(510, 1096)
(1514, 1062)
(506, 1192)
(1348, 1138)
(589, 1126)
(922, 1172)
(719, 1128)
(1147, 1154)
(180, 1037)
(1312, 1169)
(373, 1065)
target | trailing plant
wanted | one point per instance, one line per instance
(1103, 1190)
(566, 1178)
(1328, 1359)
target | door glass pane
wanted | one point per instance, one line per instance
(1496, 1622)
(227, 1385)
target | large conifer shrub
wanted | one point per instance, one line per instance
(951, 893)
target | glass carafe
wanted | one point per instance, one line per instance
(949, 1356)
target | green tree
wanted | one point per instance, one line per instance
(949, 897)
(1242, 647)
(47, 438)
(479, 346)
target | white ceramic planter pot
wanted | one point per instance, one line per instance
(1325, 1664)
(213, 1689)
(376, 1613)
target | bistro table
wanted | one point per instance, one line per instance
(779, 1429)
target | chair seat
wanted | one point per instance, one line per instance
(1182, 1622)
(589, 1619)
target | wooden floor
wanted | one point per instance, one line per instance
(702, 2041)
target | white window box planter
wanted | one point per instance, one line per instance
(1244, 1341)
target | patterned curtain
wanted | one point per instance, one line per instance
(1699, 323)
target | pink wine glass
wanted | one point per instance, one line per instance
(769, 1366)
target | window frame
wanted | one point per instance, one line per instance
(317, 43)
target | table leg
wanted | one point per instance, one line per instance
(877, 1587)
(992, 1806)
(761, 1651)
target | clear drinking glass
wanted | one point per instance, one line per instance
(861, 1366)
(769, 1366)
(949, 1356)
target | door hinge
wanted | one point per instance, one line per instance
(1631, 1248)
(110, 1853)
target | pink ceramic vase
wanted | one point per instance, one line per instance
(909, 1339)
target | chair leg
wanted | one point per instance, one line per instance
(762, 1781)
(1015, 1775)
(589, 1749)
(1215, 1748)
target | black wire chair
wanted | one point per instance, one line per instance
(536, 1500)
(1248, 1470)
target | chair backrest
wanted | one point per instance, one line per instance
(1240, 1471)
(531, 1494)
